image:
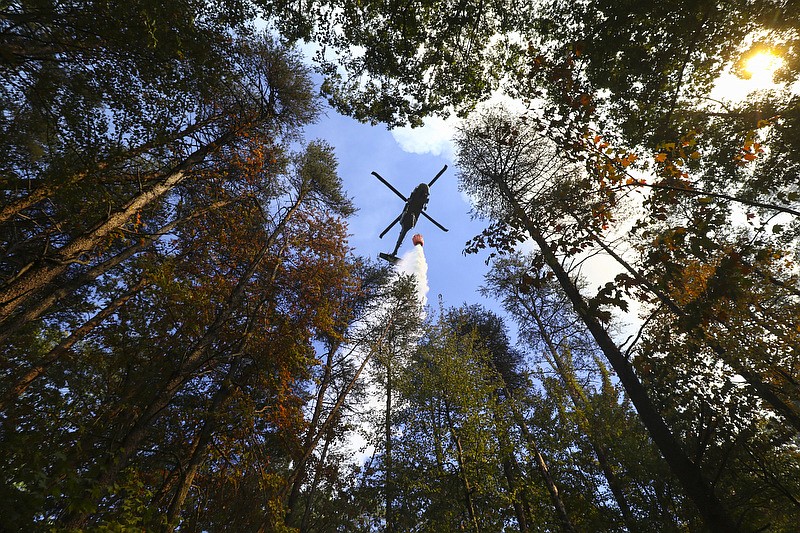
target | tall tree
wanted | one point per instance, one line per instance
(514, 177)
(447, 422)
(506, 363)
(341, 383)
(221, 319)
(550, 327)
(389, 363)
(263, 97)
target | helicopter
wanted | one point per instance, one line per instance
(415, 206)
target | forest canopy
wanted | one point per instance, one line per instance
(187, 344)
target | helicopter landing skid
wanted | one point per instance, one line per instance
(393, 259)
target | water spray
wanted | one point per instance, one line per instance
(413, 263)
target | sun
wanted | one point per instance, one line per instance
(753, 71)
(761, 65)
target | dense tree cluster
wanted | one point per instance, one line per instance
(185, 342)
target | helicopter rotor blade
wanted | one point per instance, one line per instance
(436, 177)
(390, 226)
(426, 215)
(389, 185)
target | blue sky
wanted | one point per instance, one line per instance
(362, 148)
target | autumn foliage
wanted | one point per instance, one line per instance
(188, 342)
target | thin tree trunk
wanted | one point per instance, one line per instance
(23, 382)
(581, 404)
(167, 486)
(199, 448)
(43, 190)
(314, 484)
(37, 195)
(544, 471)
(334, 412)
(521, 509)
(437, 436)
(388, 466)
(510, 469)
(461, 470)
(510, 466)
(300, 470)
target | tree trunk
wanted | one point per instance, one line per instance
(313, 428)
(521, 507)
(581, 404)
(37, 195)
(388, 480)
(322, 429)
(41, 306)
(202, 440)
(42, 190)
(462, 471)
(511, 468)
(694, 483)
(314, 484)
(544, 471)
(45, 270)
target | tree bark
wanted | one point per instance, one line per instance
(313, 429)
(521, 507)
(314, 484)
(40, 191)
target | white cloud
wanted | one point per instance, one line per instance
(435, 137)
